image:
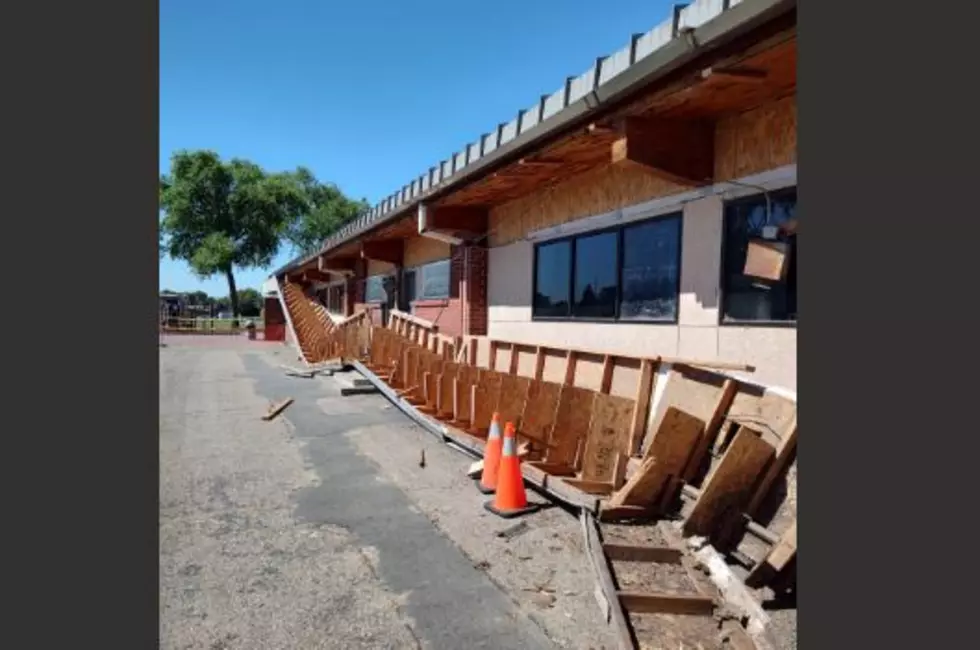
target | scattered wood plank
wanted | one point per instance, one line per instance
(606, 592)
(608, 435)
(666, 457)
(730, 485)
(775, 561)
(645, 603)
(277, 409)
(589, 487)
(619, 513)
(553, 469)
(630, 553)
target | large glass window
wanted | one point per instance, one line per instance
(651, 277)
(434, 280)
(374, 289)
(626, 273)
(746, 298)
(595, 276)
(552, 279)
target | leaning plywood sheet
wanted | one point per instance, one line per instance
(466, 379)
(608, 437)
(691, 390)
(540, 410)
(444, 403)
(510, 403)
(668, 454)
(763, 409)
(571, 424)
(485, 395)
(729, 487)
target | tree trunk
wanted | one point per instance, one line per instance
(232, 296)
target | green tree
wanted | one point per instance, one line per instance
(327, 210)
(250, 302)
(221, 215)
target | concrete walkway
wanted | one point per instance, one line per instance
(284, 534)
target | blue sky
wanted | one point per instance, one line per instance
(370, 93)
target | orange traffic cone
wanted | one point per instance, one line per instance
(510, 499)
(491, 457)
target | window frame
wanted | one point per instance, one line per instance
(619, 229)
(420, 272)
(722, 276)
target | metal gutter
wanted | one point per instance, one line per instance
(686, 43)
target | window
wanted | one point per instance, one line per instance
(745, 298)
(626, 273)
(433, 280)
(335, 299)
(651, 252)
(595, 276)
(552, 280)
(374, 289)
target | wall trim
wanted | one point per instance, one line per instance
(773, 179)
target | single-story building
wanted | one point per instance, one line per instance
(645, 206)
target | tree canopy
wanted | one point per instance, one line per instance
(221, 215)
(328, 209)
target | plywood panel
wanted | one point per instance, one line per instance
(608, 437)
(729, 486)
(513, 393)
(571, 423)
(540, 409)
(672, 445)
(756, 140)
(421, 250)
(766, 411)
(690, 390)
(444, 405)
(594, 192)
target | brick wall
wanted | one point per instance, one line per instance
(473, 289)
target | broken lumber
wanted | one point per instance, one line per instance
(781, 554)
(605, 592)
(277, 409)
(656, 603)
(631, 553)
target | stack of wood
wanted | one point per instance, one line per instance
(619, 436)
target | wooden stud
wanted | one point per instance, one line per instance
(571, 361)
(492, 363)
(728, 389)
(589, 487)
(644, 387)
(277, 409)
(666, 604)
(606, 594)
(787, 444)
(514, 359)
(631, 553)
(607, 374)
(539, 362)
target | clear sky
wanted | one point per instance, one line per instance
(366, 93)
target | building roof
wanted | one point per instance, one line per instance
(690, 31)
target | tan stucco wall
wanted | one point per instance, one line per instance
(697, 335)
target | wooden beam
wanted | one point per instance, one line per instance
(336, 265)
(605, 591)
(778, 559)
(313, 275)
(386, 250)
(666, 604)
(463, 221)
(711, 427)
(631, 553)
(787, 444)
(644, 386)
(735, 73)
(680, 151)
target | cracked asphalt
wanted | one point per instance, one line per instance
(284, 534)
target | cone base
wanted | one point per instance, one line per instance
(510, 514)
(484, 490)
